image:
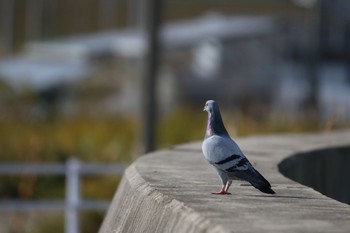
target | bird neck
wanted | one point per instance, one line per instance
(215, 125)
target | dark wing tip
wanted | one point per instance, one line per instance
(266, 189)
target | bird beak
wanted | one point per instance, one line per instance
(204, 109)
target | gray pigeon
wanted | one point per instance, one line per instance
(225, 155)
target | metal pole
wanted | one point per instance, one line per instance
(72, 196)
(153, 23)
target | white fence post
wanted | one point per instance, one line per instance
(72, 196)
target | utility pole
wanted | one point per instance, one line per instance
(151, 64)
(313, 59)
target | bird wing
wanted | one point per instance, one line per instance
(223, 153)
(245, 171)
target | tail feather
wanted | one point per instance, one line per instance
(265, 189)
(262, 184)
(256, 179)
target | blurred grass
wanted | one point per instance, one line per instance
(52, 224)
(108, 140)
(184, 125)
(55, 223)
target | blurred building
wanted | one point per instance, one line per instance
(242, 55)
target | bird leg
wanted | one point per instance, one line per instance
(227, 186)
(222, 191)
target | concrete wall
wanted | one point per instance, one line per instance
(327, 171)
(170, 191)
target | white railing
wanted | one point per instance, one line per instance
(73, 169)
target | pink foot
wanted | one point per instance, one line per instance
(222, 193)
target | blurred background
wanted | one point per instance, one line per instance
(75, 76)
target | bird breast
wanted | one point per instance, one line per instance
(217, 148)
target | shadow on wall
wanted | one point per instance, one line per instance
(326, 171)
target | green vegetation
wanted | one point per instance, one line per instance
(91, 140)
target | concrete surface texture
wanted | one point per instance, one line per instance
(170, 191)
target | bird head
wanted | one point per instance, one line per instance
(209, 106)
(215, 124)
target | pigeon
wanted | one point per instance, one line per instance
(225, 155)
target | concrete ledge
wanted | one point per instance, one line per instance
(169, 191)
